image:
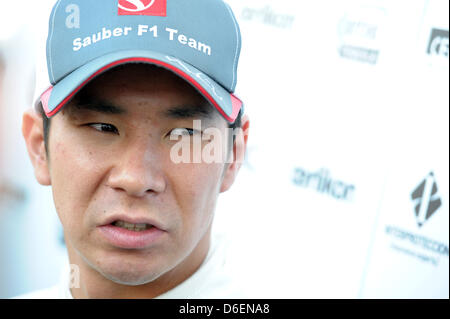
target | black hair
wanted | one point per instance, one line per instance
(46, 125)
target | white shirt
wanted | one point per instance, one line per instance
(211, 281)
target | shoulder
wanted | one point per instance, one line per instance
(224, 288)
(47, 293)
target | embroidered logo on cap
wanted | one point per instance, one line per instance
(143, 7)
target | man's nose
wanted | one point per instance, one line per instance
(137, 171)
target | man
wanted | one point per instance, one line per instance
(135, 87)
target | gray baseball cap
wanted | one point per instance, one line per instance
(199, 40)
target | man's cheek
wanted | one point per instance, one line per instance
(73, 186)
(200, 192)
(71, 207)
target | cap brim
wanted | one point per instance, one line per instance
(55, 97)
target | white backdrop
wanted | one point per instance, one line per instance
(341, 95)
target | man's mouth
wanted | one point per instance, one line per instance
(134, 233)
(132, 227)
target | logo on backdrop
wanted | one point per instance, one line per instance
(438, 44)
(143, 7)
(268, 16)
(426, 199)
(323, 183)
(427, 249)
(359, 34)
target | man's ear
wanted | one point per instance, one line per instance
(239, 150)
(33, 133)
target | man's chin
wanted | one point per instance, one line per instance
(129, 277)
(127, 271)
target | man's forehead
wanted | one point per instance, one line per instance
(152, 74)
(85, 103)
(94, 97)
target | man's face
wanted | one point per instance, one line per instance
(109, 160)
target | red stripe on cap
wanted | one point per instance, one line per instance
(237, 105)
(235, 101)
(44, 99)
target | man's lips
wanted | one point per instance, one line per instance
(133, 220)
(131, 238)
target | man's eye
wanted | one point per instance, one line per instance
(102, 127)
(182, 132)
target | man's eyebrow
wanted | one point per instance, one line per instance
(95, 105)
(189, 111)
